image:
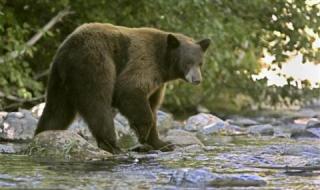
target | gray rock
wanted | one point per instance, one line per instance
(194, 148)
(213, 128)
(8, 149)
(197, 122)
(208, 124)
(294, 150)
(242, 121)
(314, 131)
(313, 123)
(266, 129)
(126, 137)
(164, 121)
(299, 131)
(305, 112)
(18, 126)
(3, 115)
(182, 138)
(301, 150)
(202, 178)
(37, 110)
(65, 145)
(296, 131)
(13, 148)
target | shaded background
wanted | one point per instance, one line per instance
(244, 34)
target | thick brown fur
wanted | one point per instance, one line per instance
(102, 66)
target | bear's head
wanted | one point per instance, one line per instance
(185, 57)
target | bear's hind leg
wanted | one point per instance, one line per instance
(100, 122)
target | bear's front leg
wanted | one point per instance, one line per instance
(134, 105)
(154, 140)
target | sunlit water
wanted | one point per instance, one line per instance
(224, 154)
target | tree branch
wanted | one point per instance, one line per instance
(13, 55)
(20, 100)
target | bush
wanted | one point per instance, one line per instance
(240, 30)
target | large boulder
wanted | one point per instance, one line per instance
(64, 145)
(17, 126)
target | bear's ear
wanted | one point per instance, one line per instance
(172, 41)
(204, 44)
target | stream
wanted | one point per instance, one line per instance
(223, 155)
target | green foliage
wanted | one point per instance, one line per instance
(240, 32)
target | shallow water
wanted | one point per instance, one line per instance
(223, 154)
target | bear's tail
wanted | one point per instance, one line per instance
(59, 110)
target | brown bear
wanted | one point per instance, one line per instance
(101, 66)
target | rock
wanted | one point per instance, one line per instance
(313, 123)
(313, 127)
(295, 131)
(267, 120)
(3, 115)
(65, 145)
(213, 128)
(305, 112)
(301, 150)
(299, 131)
(182, 138)
(208, 124)
(7, 149)
(18, 126)
(242, 121)
(301, 121)
(178, 124)
(197, 122)
(37, 110)
(80, 127)
(237, 180)
(294, 150)
(202, 178)
(194, 148)
(202, 109)
(164, 121)
(314, 131)
(13, 148)
(125, 135)
(266, 129)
